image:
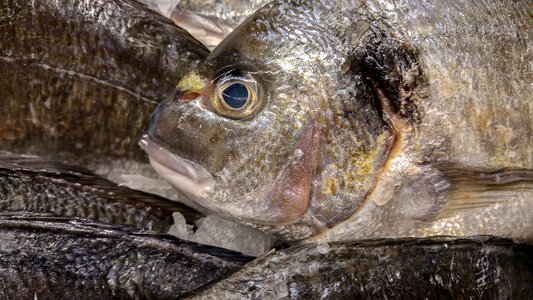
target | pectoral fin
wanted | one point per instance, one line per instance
(474, 189)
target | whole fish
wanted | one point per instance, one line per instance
(211, 21)
(431, 268)
(36, 185)
(44, 257)
(79, 78)
(343, 120)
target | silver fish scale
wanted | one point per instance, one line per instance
(479, 73)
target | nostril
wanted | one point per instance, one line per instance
(185, 97)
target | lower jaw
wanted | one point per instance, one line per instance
(194, 190)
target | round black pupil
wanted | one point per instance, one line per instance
(235, 95)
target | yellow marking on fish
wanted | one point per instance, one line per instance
(385, 186)
(192, 81)
(331, 186)
(367, 159)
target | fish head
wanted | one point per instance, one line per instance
(273, 129)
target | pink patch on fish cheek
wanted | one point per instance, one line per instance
(292, 195)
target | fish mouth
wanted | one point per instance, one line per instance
(186, 176)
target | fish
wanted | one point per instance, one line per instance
(211, 21)
(43, 186)
(80, 78)
(319, 121)
(47, 257)
(481, 267)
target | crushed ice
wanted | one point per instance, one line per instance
(215, 231)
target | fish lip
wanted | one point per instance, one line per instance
(187, 176)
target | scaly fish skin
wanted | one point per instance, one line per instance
(36, 185)
(80, 78)
(443, 267)
(45, 257)
(342, 120)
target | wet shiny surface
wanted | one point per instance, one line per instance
(79, 79)
(42, 186)
(445, 267)
(377, 119)
(45, 257)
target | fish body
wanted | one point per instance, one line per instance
(79, 78)
(45, 257)
(35, 185)
(434, 268)
(345, 120)
(211, 21)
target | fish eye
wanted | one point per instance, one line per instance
(236, 97)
